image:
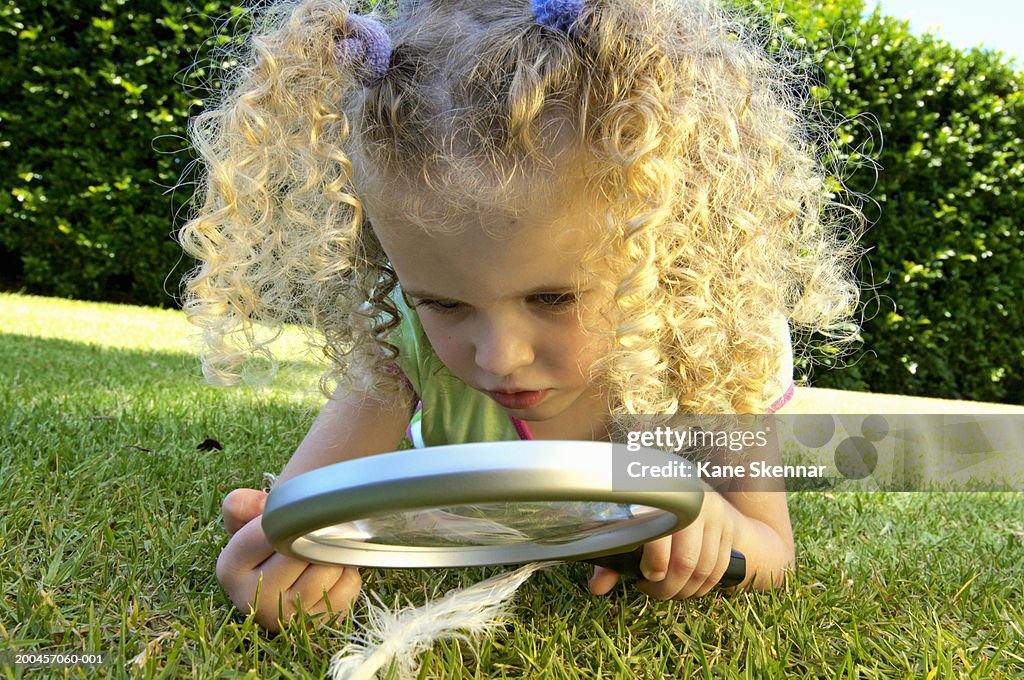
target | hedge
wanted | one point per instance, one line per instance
(91, 124)
(945, 270)
(97, 95)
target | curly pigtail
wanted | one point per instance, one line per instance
(279, 235)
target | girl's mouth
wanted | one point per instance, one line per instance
(518, 400)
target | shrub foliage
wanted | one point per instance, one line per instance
(946, 262)
(91, 122)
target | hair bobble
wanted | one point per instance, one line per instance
(559, 15)
(366, 48)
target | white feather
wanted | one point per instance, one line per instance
(402, 635)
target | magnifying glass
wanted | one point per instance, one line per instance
(482, 504)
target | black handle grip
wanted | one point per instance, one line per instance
(628, 564)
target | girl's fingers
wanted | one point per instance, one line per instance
(241, 506)
(707, 561)
(716, 552)
(247, 549)
(263, 588)
(722, 564)
(655, 561)
(313, 582)
(247, 558)
(249, 569)
(318, 589)
(339, 597)
(684, 552)
(603, 580)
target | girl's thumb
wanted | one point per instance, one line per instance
(241, 506)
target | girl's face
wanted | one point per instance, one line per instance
(503, 312)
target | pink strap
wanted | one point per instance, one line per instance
(521, 429)
(781, 401)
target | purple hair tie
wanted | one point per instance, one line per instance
(559, 15)
(366, 48)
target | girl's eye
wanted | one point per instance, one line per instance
(549, 301)
(556, 300)
(440, 306)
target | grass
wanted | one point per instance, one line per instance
(110, 528)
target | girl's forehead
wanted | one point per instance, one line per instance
(479, 203)
(543, 222)
(488, 256)
(480, 250)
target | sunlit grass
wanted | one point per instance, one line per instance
(109, 531)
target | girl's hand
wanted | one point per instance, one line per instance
(249, 558)
(689, 563)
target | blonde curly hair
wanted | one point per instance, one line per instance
(722, 211)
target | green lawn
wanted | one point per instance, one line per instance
(110, 528)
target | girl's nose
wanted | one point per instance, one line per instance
(503, 348)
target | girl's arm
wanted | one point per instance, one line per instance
(351, 427)
(759, 514)
(762, 530)
(752, 516)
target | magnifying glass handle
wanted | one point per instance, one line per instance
(628, 564)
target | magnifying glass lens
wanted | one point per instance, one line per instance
(488, 524)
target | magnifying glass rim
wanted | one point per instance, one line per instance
(468, 474)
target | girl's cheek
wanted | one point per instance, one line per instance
(450, 348)
(575, 350)
(436, 334)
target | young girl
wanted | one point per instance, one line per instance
(524, 221)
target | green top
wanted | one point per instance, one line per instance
(453, 412)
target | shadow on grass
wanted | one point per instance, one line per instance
(85, 402)
(111, 513)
